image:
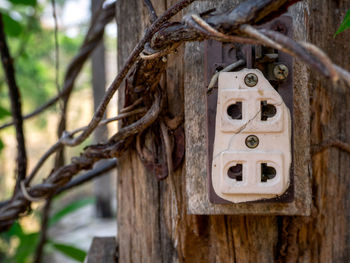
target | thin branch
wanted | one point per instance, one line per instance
(293, 48)
(82, 179)
(98, 115)
(316, 59)
(58, 145)
(116, 118)
(203, 27)
(59, 158)
(250, 12)
(90, 175)
(43, 231)
(57, 51)
(132, 106)
(37, 111)
(16, 107)
(138, 126)
(323, 58)
(95, 21)
(152, 12)
(343, 73)
(91, 41)
(229, 68)
(54, 148)
(112, 149)
(158, 54)
(251, 31)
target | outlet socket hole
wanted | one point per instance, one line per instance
(267, 110)
(236, 172)
(267, 172)
(235, 111)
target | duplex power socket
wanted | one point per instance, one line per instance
(252, 152)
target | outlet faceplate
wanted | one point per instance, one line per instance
(252, 146)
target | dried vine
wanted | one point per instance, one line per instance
(142, 74)
(91, 41)
(16, 105)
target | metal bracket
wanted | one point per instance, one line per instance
(276, 66)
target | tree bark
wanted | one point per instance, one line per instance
(153, 225)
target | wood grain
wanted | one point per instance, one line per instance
(154, 227)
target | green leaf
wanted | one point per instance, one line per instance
(15, 230)
(26, 248)
(4, 112)
(345, 25)
(12, 27)
(70, 251)
(24, 2)
(70, 208)
(2, 145)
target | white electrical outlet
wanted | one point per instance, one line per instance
(252, 147)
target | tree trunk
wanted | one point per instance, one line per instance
(153, 225)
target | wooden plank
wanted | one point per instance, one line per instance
(102, 250)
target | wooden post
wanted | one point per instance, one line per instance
(153, 225)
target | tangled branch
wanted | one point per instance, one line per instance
(145, 65)
(60, 177)
(98, 115)
(91, 41)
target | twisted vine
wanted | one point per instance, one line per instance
(142, 73)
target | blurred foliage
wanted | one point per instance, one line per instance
(33, 50)
(32, 46)
(345, 24)
(3, 114)
(12, 27)
(24, 2)
(69, 209)
(17, 246)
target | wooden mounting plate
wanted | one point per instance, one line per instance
(197, 183)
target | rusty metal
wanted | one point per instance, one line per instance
(251, 80)
(252, 141)
(280, 71)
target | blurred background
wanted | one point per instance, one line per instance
(77, 215)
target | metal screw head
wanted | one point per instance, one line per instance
(280, 72)
(252, 141)
(251, 79)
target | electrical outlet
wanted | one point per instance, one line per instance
(252, 145)
(204, 121)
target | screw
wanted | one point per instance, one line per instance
(252, 141)
(251, 80)
(279, 27)
(280, 71)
